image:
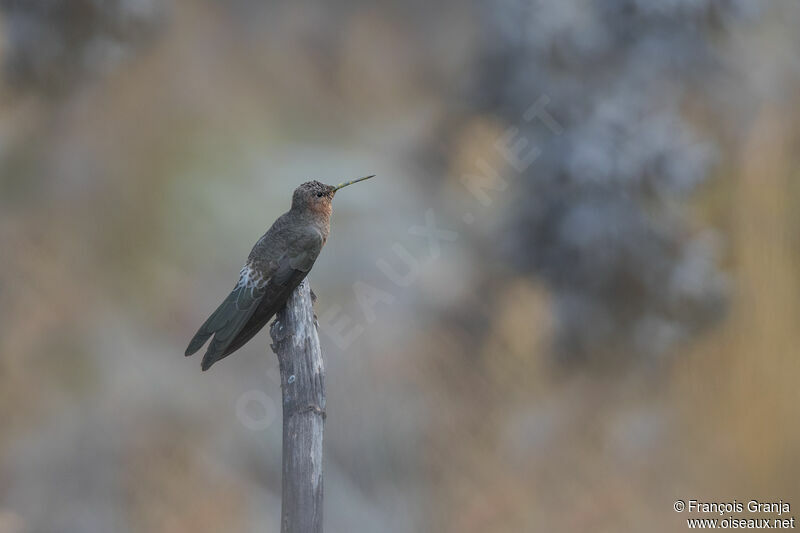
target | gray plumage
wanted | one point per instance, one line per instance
(277, 264)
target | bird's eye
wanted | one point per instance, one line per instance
(320, 194)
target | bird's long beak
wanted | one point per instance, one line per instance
(345, 184)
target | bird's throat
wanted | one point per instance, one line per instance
(320, 216)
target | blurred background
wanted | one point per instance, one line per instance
(604, 318)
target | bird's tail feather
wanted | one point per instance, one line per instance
(198, 341)
(231, 315)
(205, 331)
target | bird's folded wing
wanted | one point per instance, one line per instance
(290, 271)
(231, 315)
(257, 293)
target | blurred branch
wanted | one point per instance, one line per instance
(296, 343)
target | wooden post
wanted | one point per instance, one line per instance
(295, 341)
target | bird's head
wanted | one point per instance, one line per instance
(317, 197)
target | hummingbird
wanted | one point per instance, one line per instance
(278, 262)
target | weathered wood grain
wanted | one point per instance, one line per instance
(295, 341)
